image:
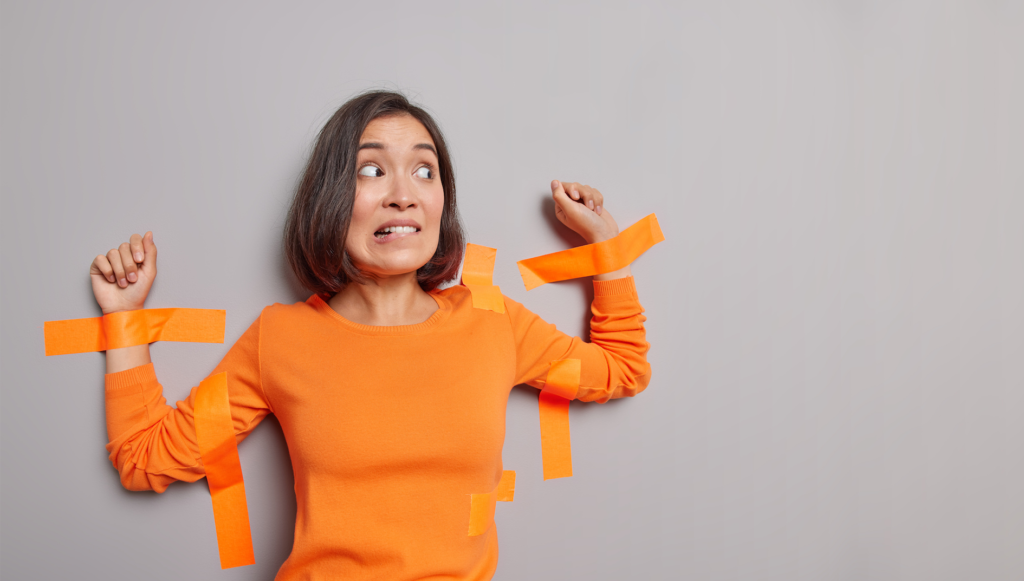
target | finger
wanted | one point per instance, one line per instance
(101, 265)
(130, 269)
(569, 208)
(149, 249)
(114, 258)
(586, 196)
(135, 242)
(573, 189)
(559, 194)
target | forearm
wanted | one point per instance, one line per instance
(127, 358)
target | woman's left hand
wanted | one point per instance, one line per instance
(581, 208)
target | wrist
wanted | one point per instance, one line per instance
(111, 311)
(615, 274)
(601, 237)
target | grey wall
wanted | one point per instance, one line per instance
(837, 315)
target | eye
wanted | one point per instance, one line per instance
(425, 173)
(371, 171)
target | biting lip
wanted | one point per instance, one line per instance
(393, 229)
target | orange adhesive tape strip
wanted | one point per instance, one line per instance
(219, 450)
(507, 486)
(481, 506)
(129, 328)
(591, 259)
(477, 275)
(561, 385)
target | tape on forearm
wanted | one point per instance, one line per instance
(562, 384)
(481, 506)
(592, 259)
(219, 450)
(130, 328)
(477, 276)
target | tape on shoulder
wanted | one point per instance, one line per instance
(561, 385)
(592, 259)
(130, 328)
(219, 451)
(481, 506)
(477, 276)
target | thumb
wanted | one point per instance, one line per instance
(562, 199)
(149, 249)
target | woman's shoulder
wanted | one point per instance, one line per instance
(457, 296)
(461, 299)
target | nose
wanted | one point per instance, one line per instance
(401, 194)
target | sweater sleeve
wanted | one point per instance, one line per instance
(614, 363)
(153, 444)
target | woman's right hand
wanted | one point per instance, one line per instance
(121, 279)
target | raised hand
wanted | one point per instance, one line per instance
(121, 279)
(581, 208)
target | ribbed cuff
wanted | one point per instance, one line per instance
(130, 377)
(619, 286)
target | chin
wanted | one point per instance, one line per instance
(397, 268)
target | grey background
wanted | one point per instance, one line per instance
(836, 317)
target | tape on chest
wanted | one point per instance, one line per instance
(561, 386)
(592, 259)
(130, 328)
(477, 276)
(481, 506)
(219, 450)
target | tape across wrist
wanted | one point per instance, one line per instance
(131, 328)
(592, 259)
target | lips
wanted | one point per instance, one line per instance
(395, 229)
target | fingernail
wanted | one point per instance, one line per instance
(591, 204)
(138, 257)
(110, 278)
(132, 277)
(598, 210)
(121, 283)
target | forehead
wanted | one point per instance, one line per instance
(400, 131)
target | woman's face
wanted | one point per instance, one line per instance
(396, 218)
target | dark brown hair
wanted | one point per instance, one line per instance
(318, 221)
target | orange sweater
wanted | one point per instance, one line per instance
(390, 429)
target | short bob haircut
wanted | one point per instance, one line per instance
(318, 221)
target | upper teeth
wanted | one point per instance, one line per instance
(399, 229)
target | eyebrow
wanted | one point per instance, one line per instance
(375, 145)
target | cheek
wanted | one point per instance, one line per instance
(434, 207)
(362, 217)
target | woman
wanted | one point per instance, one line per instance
(391, 393)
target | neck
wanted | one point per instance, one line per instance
(385, 302)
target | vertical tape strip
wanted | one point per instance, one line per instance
(562, 384)
(130, 328)
(481, 506)
(219, 450)
(477, 275)
(591, 259)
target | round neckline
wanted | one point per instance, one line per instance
(435, 319)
